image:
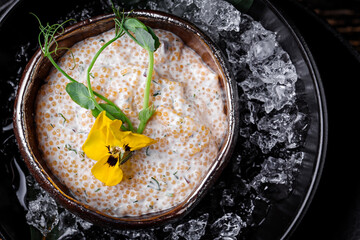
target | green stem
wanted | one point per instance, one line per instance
(124, 159)
(143, 121)
(141, 127)
(58, 68)
(148, 82)
(92, 93)
(127, 120)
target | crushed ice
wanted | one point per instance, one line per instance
(193, 229)
(228, 225)
(272, 128)
(45, 215)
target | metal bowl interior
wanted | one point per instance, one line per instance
(39, 67)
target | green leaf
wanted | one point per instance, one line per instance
(132, 24)
(79, 93)
(156, 39)
(146, 114)
(95, 112)
(145, 39)
(144, 35)
(113, 111)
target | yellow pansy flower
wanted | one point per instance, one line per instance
(110, 146)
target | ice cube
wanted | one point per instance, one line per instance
(278, 125)
(276, 69)
(227, 199)
(43, 214)
(282, 127)
(255, 89)
(176, 7)
(193, 229)
(228, 225)
(219, 14)
(262, 50)
(278, 173)
(210, 16)
(264, 141)
(67, 220)
(254, 32)
(71, 226)
(143, 234)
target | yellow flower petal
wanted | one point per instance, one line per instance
(106, 125)
(109, 175)
(100, 136)
(101, 122)
(95, 145)
(105, 138)
(134, 141)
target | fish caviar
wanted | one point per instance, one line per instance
(189, 123)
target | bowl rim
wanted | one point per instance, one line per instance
(82, 209)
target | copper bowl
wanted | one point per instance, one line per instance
(37, 70)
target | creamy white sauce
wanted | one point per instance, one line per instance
(189, 124)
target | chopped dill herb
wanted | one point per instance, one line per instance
(69, 148)
(154, 184)
(147, 151)
(157, 94)
(61, 115)
(186, 180)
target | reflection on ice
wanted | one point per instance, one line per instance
(42, 209)
(211, 16)
(193, 229)
(228, 225)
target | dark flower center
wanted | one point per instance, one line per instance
(126, 148)
(112, 160)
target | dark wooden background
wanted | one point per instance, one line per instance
(343, 15)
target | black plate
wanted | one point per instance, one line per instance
(335, 209)
(19, 28)
(284, 216)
